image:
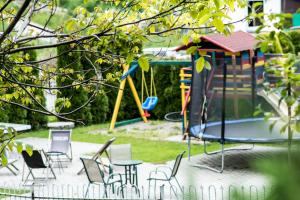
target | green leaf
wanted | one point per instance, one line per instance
(283, 129)
(152, 29)
(191, 50)
(217, 22)
(217, 4)
(185, 39)
(29, 150)
(200, 64)
(271, 127)
(203, 19)
(19, 147)
(3, 159)
(144, 63)
(70, 25)
(297, 126)
(207, 65)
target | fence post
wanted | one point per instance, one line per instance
(32, 194)
(162, 192)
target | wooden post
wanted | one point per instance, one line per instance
(119, 99)
(183, 102)
(235, 93)
(137, 99)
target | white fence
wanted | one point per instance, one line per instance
(59, 192)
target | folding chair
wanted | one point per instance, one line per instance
(10, 163)
(161, 175)
(35, 161)
(60, 144)
(122, 152)
(99, 153)
(96, 176)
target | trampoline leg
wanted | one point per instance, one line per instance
(189, 148)
(229, 149)
(222, 151)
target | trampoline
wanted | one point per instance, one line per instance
(216, 128)
(255, 130)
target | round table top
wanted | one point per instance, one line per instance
(54, 153)
(126, 162)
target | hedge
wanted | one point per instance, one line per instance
(14, 114)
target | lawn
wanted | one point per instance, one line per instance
(148, 150)
(4, 192)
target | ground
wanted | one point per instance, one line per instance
(238, 171)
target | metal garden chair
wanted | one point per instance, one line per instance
(60, 144)
(162, 175)
(36, 161)
(10, 163)
(99, 153)
(96, 176)
(121, 152)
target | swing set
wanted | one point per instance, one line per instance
(151, 100)
(147, 105)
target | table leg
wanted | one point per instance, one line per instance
(129, 170)
(136, 175)
(126, 178)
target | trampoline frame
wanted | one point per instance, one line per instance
(222, 151)
(222, 138)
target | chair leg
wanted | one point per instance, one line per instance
(87, 190)
(149, 188)
(54, 176)
(173, 189)
(105, 191)
(14, 167)
(181, 189)
(12, 171)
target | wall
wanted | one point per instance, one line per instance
(270, 6)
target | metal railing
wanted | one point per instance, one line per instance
(78, 192)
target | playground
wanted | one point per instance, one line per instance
(213, 133)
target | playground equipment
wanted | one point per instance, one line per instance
(151, 100)
(126, 76)
(234, 76)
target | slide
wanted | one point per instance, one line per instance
(273, 100)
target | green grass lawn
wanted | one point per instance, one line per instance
(154, 151)
(11, 191)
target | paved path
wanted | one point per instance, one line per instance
(237, 171)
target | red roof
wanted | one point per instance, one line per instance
(235, 42)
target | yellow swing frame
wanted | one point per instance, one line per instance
(120, 96)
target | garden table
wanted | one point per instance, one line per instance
(129, 166)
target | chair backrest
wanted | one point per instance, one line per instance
(93, 171)
(60, 140)
(35, 161)
(104, 147)
(120, 152)
(176, 164)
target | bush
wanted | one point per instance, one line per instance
(295, 38)
(15, 114)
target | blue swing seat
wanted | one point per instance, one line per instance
(150, 103)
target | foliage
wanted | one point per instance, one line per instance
(295, 38)
(71, 98)
(106, 28)
(7, 144)
(284, 175)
